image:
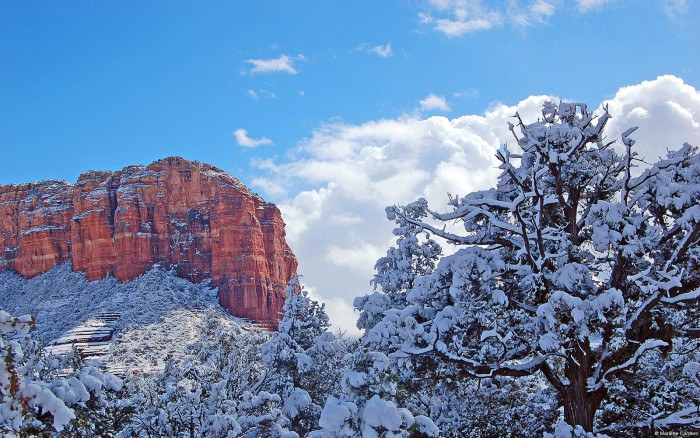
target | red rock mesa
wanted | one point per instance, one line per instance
(183, 214)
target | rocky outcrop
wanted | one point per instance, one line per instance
(35, 226)
(186, 215)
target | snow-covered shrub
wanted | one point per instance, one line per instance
(40, 395)
(499, 406)
(260, 415)
(202, 394)
(367, 405)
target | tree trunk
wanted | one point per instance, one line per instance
(580, 405)
(580, 408)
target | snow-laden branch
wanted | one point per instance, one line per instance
(684, 417)
(466, 204)
(683, 245)
(471, 213)
(688, 296)
(646, 305)
(648, 345)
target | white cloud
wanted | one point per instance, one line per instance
(303, 210)
(267, 164)
(456, 18)
(433, 102)
(667, 111)
(261, 93)
(347, 219)
(247, 142)
(585, 6)
(675, 8)
(384, 51)
(355, 255)
(537, 12)
(271, 187)
(469, 92)
(542, 8)
(337, 227)
(283, 64)
(350, 173)
(464, 17)
(341, 313)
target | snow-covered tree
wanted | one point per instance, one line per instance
(303, 359)
(413, 256)
(426, 385)
(209, 391)
(261, 415)
(570, 269)
(38, 395)
(367, 405)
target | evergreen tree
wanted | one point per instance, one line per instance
(571, 270)
(303, 359)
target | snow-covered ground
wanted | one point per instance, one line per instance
(134, 325)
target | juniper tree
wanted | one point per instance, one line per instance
(571, 268)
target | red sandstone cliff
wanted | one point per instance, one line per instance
(188, 215)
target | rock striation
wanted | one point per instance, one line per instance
(183, 214)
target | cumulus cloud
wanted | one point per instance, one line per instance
(355, 257)
(349, 173)
(337, 225)
(667, 111)
(271, 187)
(433, 102)
(340, 313)
(283, 64)
(305, 209)
(247, 142)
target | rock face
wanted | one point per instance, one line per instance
(187, 215)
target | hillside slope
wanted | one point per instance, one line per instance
(157, 314)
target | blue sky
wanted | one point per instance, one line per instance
(100, 85)
(332, 109)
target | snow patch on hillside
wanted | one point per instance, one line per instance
(160, 313)
(148, 347)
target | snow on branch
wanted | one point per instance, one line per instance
(648, 345)
(684, 417)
